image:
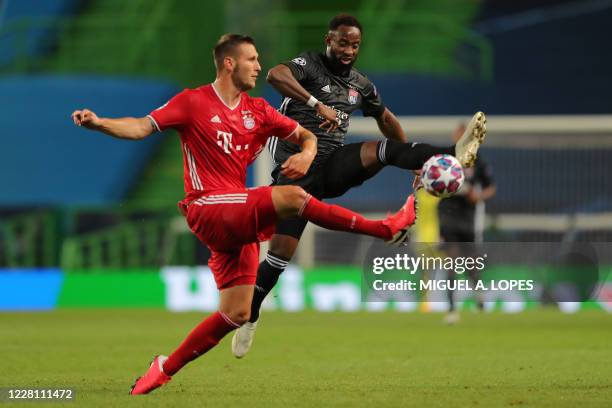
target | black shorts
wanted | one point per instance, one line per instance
(451, 234)
(332, 178)
(458, 240)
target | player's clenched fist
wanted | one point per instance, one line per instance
(86, 118)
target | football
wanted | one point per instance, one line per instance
(442, 175)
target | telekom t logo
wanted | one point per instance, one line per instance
(224, 140)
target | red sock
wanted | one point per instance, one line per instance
(205, 336)
(339, 218)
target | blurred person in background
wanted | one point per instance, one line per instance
(461, 219)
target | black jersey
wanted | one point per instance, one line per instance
(345, 94)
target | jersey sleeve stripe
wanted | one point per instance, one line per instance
(290, 134)
(152, 119)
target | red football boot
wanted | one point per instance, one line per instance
(401, 221)
(152, 379)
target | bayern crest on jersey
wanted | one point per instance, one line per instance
(248, 121)
(352, 96)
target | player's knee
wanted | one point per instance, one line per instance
(288, 200)
(239, 315)
(296, 196)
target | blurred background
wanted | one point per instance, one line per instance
(89, 220)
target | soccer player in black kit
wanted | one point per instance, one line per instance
(322, 90)
(457, 216)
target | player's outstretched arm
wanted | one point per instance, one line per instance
(282, 79)
(390, 126)
(297, 165)
(122, 128)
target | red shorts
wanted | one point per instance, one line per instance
(232, 223)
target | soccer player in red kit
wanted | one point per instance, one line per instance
(222, 131)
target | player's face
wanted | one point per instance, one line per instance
(343, 45)
(246, 67)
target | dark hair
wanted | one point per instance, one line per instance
(227, 45)
(344, 19)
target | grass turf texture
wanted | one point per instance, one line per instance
(537, 358)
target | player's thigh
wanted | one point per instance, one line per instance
(234, 266)
(233, 218)
(235, 272)
(235, 297)
(346, 168)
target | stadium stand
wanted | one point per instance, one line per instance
(37, 41)
(55, 163)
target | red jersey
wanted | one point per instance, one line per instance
(219, 141)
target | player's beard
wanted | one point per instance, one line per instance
(238, 82)
(335, 65)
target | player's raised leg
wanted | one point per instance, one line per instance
(290, 201)
(409, 156)
(412, 156)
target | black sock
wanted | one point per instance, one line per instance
(267, 276)
(409, 156)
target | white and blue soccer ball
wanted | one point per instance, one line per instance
(442, 175)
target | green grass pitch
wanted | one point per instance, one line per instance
(538, 358)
